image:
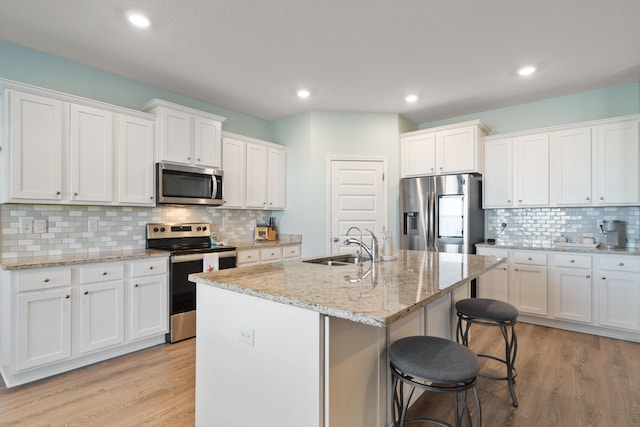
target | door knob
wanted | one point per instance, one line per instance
(336, 240)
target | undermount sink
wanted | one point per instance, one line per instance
(337, 260)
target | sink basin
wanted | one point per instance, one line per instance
(337, 260)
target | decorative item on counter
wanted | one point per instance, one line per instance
(262, 233)
(271, 232)
(388, 246)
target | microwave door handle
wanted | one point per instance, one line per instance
(214, 186)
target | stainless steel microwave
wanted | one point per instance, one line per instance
(188, 185)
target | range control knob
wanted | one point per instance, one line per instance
(199, 228)
(204, 228)
(155, 229)
(162, 229)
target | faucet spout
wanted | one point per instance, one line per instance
(372, 252)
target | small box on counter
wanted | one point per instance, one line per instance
(262, 233)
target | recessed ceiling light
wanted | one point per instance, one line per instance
(138, 19)
(411, 98)
(527, 71)
(303, 93)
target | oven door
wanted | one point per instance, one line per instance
(182, 292)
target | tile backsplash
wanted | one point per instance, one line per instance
(118, 228)
(541, 227)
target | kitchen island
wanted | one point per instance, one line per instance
(302, 344)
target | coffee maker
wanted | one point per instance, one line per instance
(614, 233)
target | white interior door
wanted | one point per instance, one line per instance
(359, 198)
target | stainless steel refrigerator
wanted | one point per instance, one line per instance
(441, 213)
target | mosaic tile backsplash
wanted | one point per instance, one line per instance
(541, 227)
(119, 228)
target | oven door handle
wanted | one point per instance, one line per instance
(197, 257)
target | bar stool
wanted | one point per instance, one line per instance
(490, 312)
(437, 365)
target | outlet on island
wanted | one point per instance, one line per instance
(246, 335)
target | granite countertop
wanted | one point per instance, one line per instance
(390, 291)
(22, 263)
(600, 250)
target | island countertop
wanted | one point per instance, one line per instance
(388, 291)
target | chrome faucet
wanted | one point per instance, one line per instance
(372, 252)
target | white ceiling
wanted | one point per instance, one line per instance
(459, 56)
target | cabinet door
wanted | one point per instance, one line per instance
(617, 161)
(91, 153)
(256, 176)
(418, 155)
(456, 150)
(530, 289)
(35, 147)
(494, 283)
(571, 167)
(207, 142)
(571, 294)
(101, 312)
(532, 170)
(148, 306)
(233, 183)
(439, 317)
(135, 161)
(175, 136)
(498, 175)
(276, 170)
(43, 330)
(619, 300)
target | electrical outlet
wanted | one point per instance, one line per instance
(245, 335)
(26, 225)
(93, 225)
(40, 226)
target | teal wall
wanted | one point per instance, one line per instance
(311, 139)
(38, 69)
(614, 101)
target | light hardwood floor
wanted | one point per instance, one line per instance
(565, 379)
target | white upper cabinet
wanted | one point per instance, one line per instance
(58, 148)
(32, 146)
(254, 173)
(186, 135)
(532, 170)
(498, 175)
(135, 167)
(617, 159)
(571, 167)
(443, 150)
(586, 164)
(91, 154)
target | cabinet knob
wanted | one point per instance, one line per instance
(104, 273)
(67, 296)
(151, 198)
(440, 167)
(336, 240)
(46, 280)
(572, 261)
(588, 198)
(136, 285)
(529, 259)
(519, 200)
(197, 160)
(508, 201)
(189, 158)
(86, 292)
(588, 276)
(601, 198)
(603, 278)
(621, 264)
(431, 168)
(151, 267)
(57, 193)
(75, 194)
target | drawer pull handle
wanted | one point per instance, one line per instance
(46, 280)
(621, 264)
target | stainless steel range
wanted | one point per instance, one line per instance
(188, 244)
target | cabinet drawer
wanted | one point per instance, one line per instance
(291, 252)
(271, 254)
(148, 267)
(101, 273)
(620, 263)
(572, 260)
(248, 257)
(46, 278)
(530, 258)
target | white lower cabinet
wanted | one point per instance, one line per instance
(529, 275)
(43, 327)
(494, 284)
(619, 292)
(56, 319)
(571, 283)
(255, 256)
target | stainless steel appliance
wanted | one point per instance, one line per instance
(188, 244)
(441, 213)
(188, 185)
(614, 231)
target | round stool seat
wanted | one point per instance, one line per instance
(434, 359)
(488, 309)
